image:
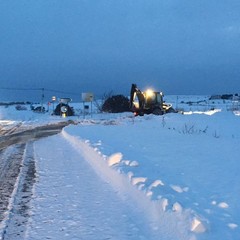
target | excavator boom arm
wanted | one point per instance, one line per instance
(136, 92)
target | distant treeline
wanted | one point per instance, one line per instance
(14, 103)
(225, 96)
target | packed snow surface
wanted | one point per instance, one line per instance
(113, 176)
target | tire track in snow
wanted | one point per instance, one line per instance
(20, 209)
(10, 165)
(17, 174)
(77, 198)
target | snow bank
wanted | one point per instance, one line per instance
(174, 223)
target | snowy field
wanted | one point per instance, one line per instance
(174, 176)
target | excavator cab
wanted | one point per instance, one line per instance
(152, 98)
(147, 102)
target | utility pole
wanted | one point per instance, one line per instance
(42, 99)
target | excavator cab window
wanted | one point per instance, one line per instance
(159, 98)
(151, 99)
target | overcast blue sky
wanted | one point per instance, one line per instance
(177, 46)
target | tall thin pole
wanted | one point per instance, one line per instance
(42, 99)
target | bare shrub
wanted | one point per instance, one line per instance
(99, 103)
(191, 129)
(116, 104)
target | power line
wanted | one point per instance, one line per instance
(21, 89)
(38, 89)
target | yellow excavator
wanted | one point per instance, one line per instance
(148, 102)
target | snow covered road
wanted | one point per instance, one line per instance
(18, 134)
(72, 201)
